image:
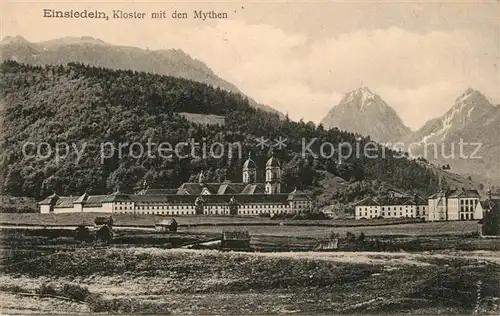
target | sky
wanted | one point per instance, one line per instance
(300, 57)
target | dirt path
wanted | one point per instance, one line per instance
(393, 258)
(383, 258)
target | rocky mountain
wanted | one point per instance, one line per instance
(472, 121)
(95, 52)
(364, 112)
(469, 107)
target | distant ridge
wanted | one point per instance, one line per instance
(95, 52)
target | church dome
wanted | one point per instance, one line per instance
(249, 164)
(272, 162)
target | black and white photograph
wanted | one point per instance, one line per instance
(305, 157)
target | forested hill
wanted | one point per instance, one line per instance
(95, 52)
(76, 103)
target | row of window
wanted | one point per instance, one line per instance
(393, 208)
(467, 208)
(466, 216)
(407, 213)
(469, 202)
(374, 216)
(281, 206)
(160, 212)
(217, 212)
(258, 212)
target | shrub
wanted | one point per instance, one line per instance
(103, 220)
(310, 216)
(75, 292)
(12, 288)
(14, 209)
(72, 291)
(361, 237)
(350, 237)
(98, 304)
(45, 289)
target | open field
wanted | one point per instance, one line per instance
(159, 281)
(303, 239)
(266, 235)
(415, 229)
(73, 219)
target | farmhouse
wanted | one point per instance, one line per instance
(248, 198)
(235, 240)
(454, 204)
(396, 207)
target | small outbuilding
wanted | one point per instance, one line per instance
(332, 244)
(104, 234)
(166, 225)
(235, 240)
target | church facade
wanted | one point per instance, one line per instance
(246, 198)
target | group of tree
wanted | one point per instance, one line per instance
(86, 107)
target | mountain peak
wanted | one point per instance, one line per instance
(472, 97)
(365, 89)
(471, 106)
(360, 97)
(74, 40)
(14, 40)
(362, 91)
(364, 112)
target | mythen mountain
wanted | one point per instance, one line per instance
(364, 112)
(95, 52)
(473, 122)
(469, 107)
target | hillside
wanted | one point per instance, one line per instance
(77, 104)
(95, 52)
(364, 112)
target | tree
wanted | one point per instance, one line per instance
(361, 237)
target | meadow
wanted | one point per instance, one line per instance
(397, 268)
(149, 220)
(316, 231)
(175, 281)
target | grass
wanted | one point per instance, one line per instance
(156, 281)
(205, 119)
(415, 229)
(149, 220)
(20, 238)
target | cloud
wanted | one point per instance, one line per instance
(420, 75)
(305, 70)
(418, 105)
(299, 100)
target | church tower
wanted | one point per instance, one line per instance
(201, 177)
(273, 176)
(249, 170)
